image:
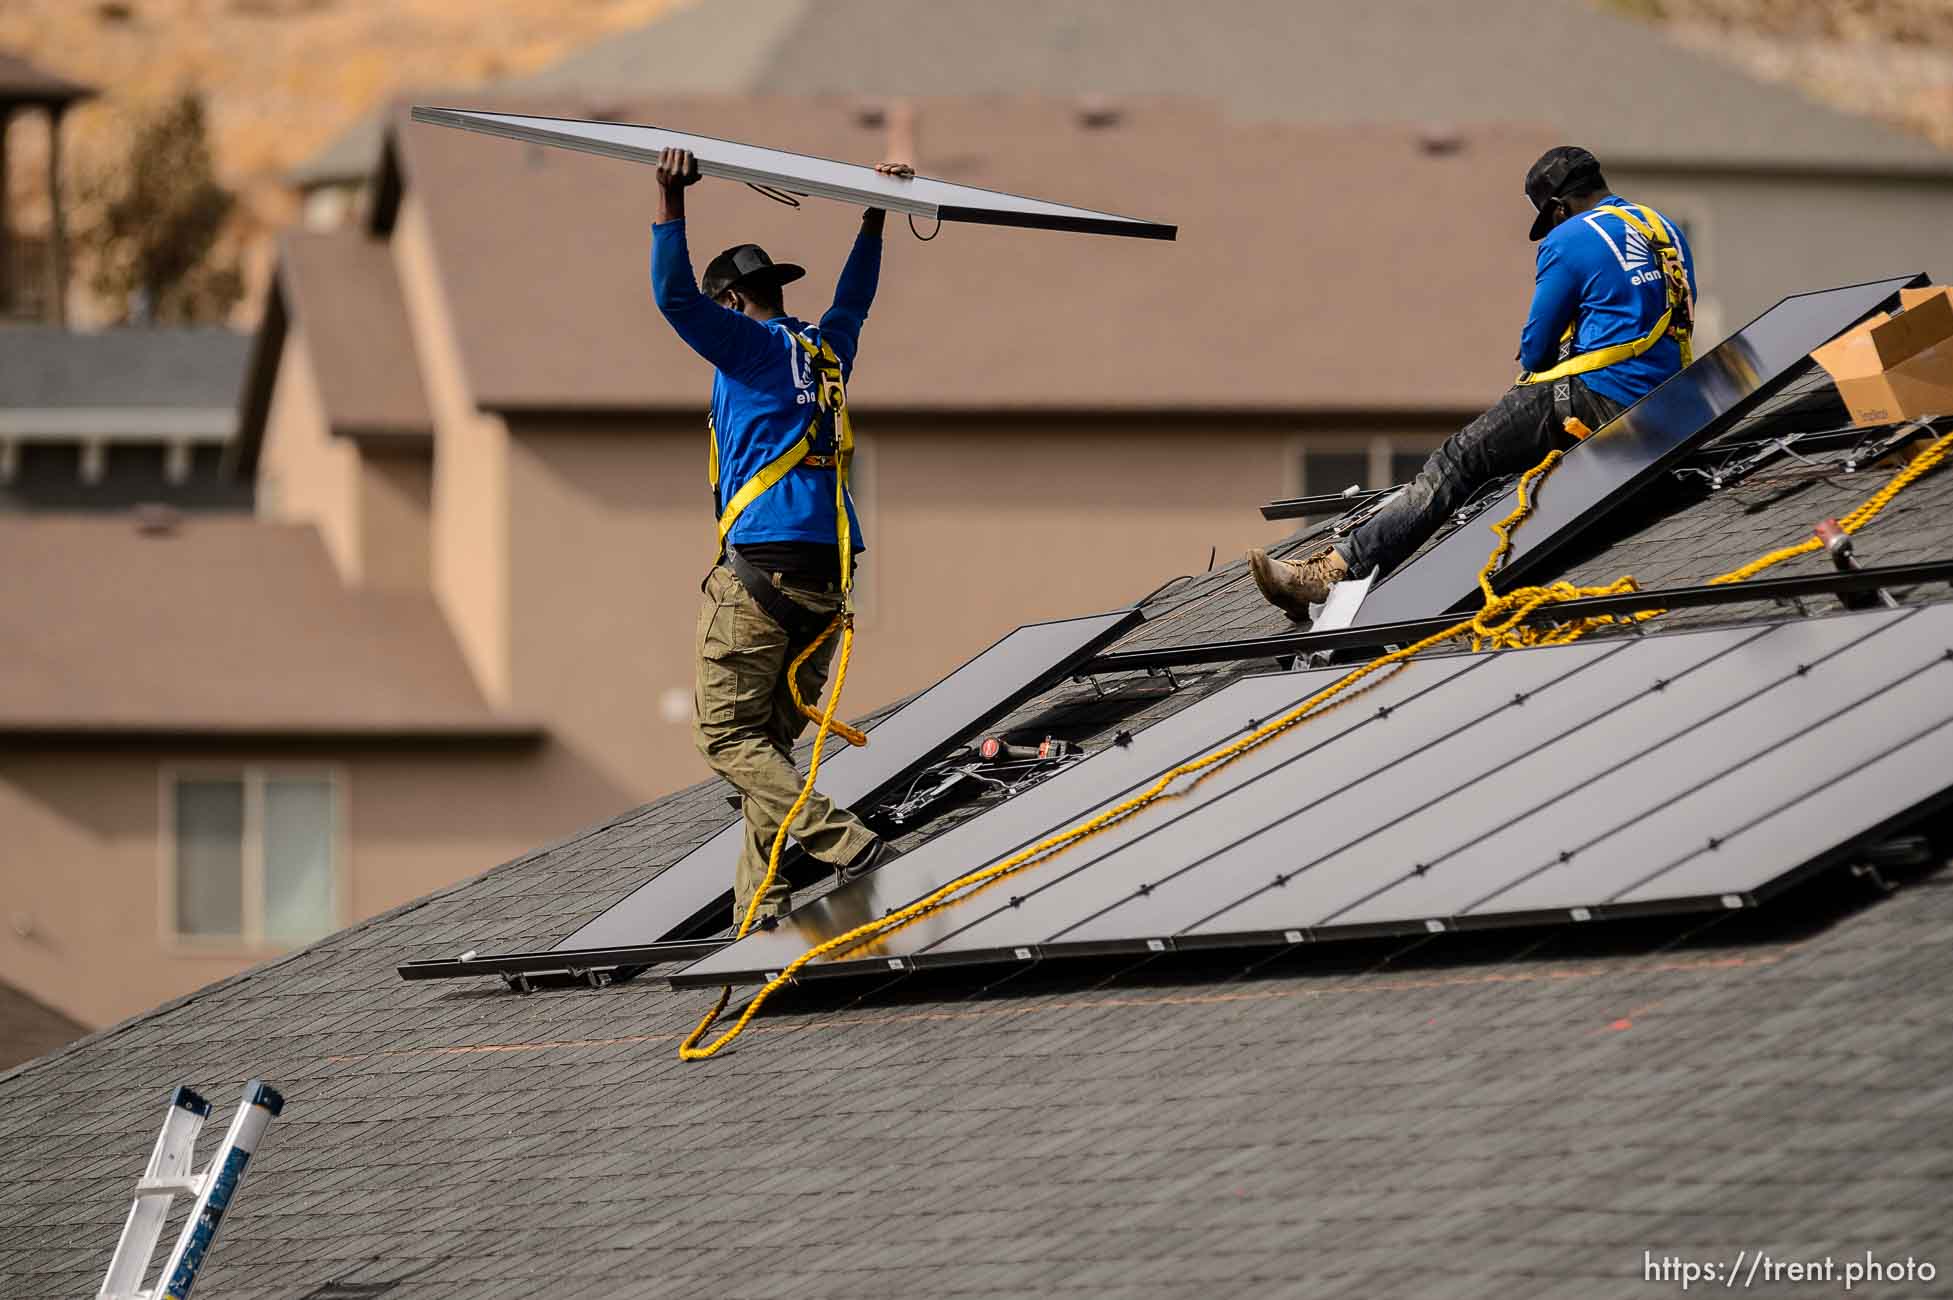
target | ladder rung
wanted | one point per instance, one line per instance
(170, 1186)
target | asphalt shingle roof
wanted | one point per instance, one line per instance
(1505, 1115)
(201, 366)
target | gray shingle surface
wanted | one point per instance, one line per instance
(1517, 1115)
(196, 367)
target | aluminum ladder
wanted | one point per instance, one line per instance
(168, 1176)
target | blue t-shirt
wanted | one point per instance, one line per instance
(764, 395)
(1598, 270)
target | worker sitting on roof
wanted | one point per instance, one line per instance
(777, 583)
(1613, 306)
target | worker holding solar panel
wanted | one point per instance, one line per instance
(1612, 312)
(775, 449)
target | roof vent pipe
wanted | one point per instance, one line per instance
(154, 519)
(1440, 141)
(1099, 114)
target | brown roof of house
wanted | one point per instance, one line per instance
(218, 626)
(1319, 268)
(346, 297)
(342, 289)
(29, 1029)
(22, 82)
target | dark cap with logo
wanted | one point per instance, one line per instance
(1563, 170)
(746, 264)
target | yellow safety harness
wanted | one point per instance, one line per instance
(1500, 623)
(833, 397)
(1677, 320)
(832, 394)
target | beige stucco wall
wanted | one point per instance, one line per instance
(305, 475)
(395, 507)
(83, 861)
(468, 547)
(370, 505)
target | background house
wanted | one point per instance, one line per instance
(1763, 177)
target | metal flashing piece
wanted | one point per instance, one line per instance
(1611, 778)
(920, 196)
(1325, 503)
(1642, 442)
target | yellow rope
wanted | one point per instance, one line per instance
(827, 721)
(844, 621)
(1873, 506)
(1498, 624)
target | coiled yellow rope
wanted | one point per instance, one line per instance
(1498, 624)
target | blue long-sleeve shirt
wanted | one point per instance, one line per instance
(1598, 270)
(763, 394)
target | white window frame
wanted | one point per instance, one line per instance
(1377, 446)
(254, 776)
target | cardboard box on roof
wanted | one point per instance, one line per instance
(1910, 298)
(1897, 367)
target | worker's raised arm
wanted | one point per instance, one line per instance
(854, 292)
(735, 343)
(1556, 292)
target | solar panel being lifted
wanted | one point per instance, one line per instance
(1604, 471)
(920, 196)
(1683, 771)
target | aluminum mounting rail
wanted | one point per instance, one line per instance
(1290, 645)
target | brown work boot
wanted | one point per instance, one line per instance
(1292, 587)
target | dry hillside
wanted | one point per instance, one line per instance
(281, 77)
(1884, 58)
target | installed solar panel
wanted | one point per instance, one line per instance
(1687, 770)
(1602, 472)
(920, 196)
(696, 891)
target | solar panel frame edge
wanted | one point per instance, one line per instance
(1091, 221)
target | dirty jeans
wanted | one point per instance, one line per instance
(1510, 438)
(745, 726)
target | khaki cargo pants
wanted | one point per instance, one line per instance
(746, 725)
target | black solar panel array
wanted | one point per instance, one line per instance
(1675, 772)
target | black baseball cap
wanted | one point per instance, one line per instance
(746, 264)
(1562, 170)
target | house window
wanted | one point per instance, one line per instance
(254, 856)
(1332, 464)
